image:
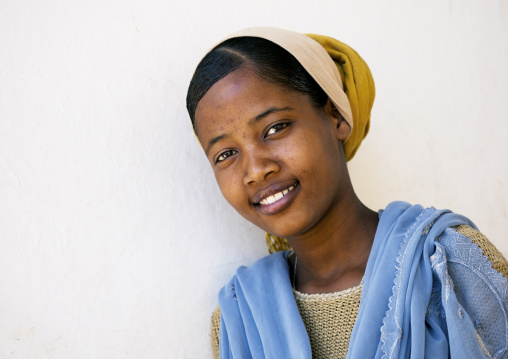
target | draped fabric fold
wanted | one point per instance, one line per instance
(410, 307)
(357, 83)
(259, 313)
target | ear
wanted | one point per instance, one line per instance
(342, 128)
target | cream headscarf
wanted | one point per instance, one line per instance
(339, 71)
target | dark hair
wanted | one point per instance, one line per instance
(268, 60)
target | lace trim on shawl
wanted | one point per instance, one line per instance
(461, 249)
(435, 305)
(389, 344)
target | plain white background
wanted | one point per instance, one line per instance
(114, 238)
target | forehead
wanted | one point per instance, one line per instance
(239, 95)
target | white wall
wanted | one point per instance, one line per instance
(114, 238)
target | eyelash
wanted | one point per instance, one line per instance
(280, 127)
(225, 155)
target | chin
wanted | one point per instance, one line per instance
(285, 231)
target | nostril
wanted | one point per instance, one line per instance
(258, 167)
(268, 173)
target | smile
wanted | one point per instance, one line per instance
(275, 197)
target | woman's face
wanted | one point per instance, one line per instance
(277, 159)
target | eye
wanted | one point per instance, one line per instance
(276, 128)
(225, 155)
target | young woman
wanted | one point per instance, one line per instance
(278, 115)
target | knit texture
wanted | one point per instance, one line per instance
(329, 319)
(215, 332)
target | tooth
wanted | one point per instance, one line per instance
(275, 197)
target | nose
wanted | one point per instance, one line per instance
(258, 165)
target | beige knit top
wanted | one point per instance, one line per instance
(329, 318)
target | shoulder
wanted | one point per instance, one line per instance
(254, 277)
(488, 249)
(272, 268)
(269, 262)
(472, 288)
(466, 245)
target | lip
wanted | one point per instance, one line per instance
(279, 205)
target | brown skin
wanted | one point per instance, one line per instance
(262, 139)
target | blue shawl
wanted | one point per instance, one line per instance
(428, 292)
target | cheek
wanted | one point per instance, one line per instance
(301, 155)
(315, 159)
(230, 185)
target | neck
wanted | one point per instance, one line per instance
(333, 255)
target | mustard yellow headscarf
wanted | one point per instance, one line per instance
(358, 85)
(340, 72)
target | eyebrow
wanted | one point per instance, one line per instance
(269, 112)
(252, 122)
(213, 141)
